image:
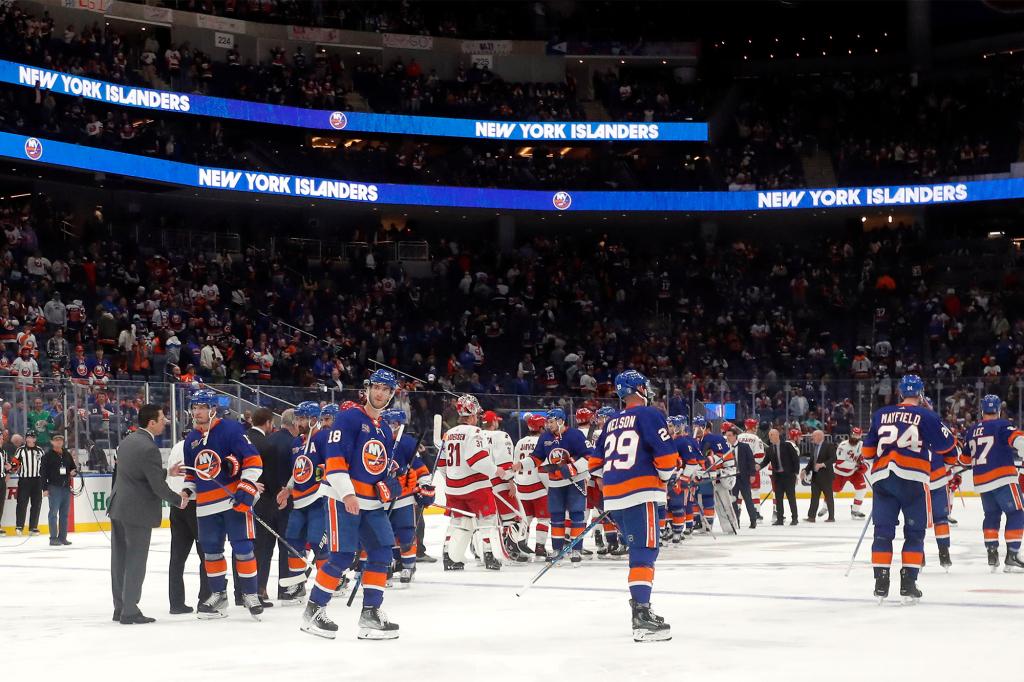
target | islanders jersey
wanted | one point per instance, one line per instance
(553, 451)
(902, 440)
(716, 451)
(530, 483)
(414, 472)
(465, 460)
(690, 454)
(222, 455)
(358, 455)
(636, 456)
(994, 445)
(307, 468)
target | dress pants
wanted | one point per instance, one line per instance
(184, 534)
(784, 486)
(129, 551)
(30, 489)
(822, 486)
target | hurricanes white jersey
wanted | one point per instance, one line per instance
(530, 483)
(848, 458)
(467, 461)
(499, 445)
(755, 443)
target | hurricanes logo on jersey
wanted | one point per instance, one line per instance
(375, 457)
(208, 463)
(302, 470)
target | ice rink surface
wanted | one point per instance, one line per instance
(769, 604)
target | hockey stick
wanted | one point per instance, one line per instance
(562, 554)
(206, 477)
(703, 516)
(863, 532)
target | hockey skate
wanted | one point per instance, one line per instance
(944, 559)
(666, 534)
(343, 585)
(373, 624)
(540, 552)
(586, 552)
(599, 540)
(951, 520)
(255, 606)
(908, 588)
(512, 550)
(881, 584)
(1013, 564)
(293, 595)
(450, 565)
(857, 514)
(576, 557)
(490, 563)
(677, 537)
(822, 513)
(618, 549)
(993, 558)
(215, 606)
(648, 627)
(405, 577)
(316, 622)
(524, 549)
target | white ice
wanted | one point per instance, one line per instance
(768, 604)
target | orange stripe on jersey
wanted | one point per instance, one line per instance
(903, 461)
(332, 525)
(867, 452)
(327, 583)
(1013, 534)
(991, 533)
(612, 490)
(421, 471)
(641, 574)
(928, 506)
(942, 530)
(295, 563)
(299, 494)
(651, 515)
(210, 496)
(1014, 436)
(252, 461)
(980, 478)
(595, 463)
(1015, 491)
(374, 579)
(246, 568)
(666, 462)
(216, 567)
(336, 464)
(364, 490)
(881, 558)
(913, 558)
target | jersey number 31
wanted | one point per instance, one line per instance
(620, 450)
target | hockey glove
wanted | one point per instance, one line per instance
(388, 489)
(567, 471)
(425, 495)
(232, 465)
(954, 483)
(245, 496)
(677, 486)
(319, 473)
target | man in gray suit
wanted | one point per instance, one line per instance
(134, 510)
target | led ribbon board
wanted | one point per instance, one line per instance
(43, 151)
(351, 121)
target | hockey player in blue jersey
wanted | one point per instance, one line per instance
(223, 471)
(678, 485)
(938, 487)
(995, 446)
(307, 519)
(714, 449)
(415, 478)
(899, 446)
(634, 457)
(361, 474)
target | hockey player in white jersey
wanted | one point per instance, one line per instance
(762, 484)
(850, 468)
(468, 471)
(531, 487)
(499, 444)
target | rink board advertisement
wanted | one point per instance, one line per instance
(88, 511)
(351, 121)
(187, 175)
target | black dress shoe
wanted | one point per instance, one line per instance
(238, 601)
(65, 542)
(178, 610)
(778, 523)
(830, 520)
(137, 619)
(117, 616)
(809, 520)
(793, 522)
(426, 559)
(753, 525)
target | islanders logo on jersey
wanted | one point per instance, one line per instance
(207, 464)
(302, 470)
(375, 457)
(338, 120)
(33, 149)
(562, 200)
(559, 456)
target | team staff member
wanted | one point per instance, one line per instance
(274, 477)
(278, 455)
(134, 512)
(58, 469)
(27, 463)
(184, 534)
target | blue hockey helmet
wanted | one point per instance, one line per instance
(676, 421)
(203, 396)
(631, 382)
(393, 416)
(555, 413)
(991, 404)
(911, 386)
(605, 412)
(700, 422)
(385, 378)
(308, 408)
(329, 410)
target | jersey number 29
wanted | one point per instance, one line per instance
(620, 450)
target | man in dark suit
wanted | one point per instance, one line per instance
(819, 471)
(745, 468)
(134, 512)
(276, 452)
(784, 459)
(276, 472)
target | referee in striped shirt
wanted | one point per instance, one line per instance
(27, 462)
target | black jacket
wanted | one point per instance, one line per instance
(50, 469)
(790, 459)
(745, 463)
(826, 456)
(276, 452)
